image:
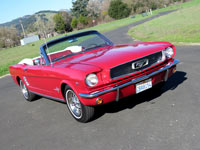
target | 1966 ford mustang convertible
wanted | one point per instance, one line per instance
(86, 69)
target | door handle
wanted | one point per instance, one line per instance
(25, 69)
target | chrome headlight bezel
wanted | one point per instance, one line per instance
(169, 52)
(162, 58)
(91, 79)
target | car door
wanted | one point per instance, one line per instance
(42, 80)
(36, 79)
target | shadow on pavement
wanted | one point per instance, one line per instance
(146, 96)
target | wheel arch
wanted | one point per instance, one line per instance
(67, 83)
(18, 80)
(62, 88)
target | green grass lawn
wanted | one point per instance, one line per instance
(14, 55)
(180, 26)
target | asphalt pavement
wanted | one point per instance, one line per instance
(148, 121)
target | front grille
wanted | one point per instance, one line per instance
(138, 65)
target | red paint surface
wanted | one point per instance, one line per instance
(45, 79)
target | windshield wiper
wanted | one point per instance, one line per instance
(94, 47)
(62, 57)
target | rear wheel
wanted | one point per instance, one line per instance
(80, 112)
(26, 93)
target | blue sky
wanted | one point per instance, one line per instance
(12, 9)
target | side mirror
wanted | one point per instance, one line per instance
(37, 62)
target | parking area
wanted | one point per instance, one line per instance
(150, 120)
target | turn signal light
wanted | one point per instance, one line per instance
(174, 70)
(99, 101)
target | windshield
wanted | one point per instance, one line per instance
(73, 45)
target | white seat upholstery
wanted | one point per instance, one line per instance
(27, 61)
(74, 49)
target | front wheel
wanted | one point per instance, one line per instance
(26, 93)
(80, 112)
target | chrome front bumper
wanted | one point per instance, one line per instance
(116, 88)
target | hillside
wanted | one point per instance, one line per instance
(180, 26)
(31, 21)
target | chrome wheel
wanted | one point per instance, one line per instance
(79, 111)
(74, 104)
(24, 90)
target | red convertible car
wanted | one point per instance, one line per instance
(86, 69)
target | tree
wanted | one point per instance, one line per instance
(67, 19)
(118, 9)
(59, 23)
(104, 8)
(8, 37)
(141, 6)
(79, 8)
(83, 20)
(94, 8)
(44, 28)
(74, 22)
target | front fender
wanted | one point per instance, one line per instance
(74, 76)
(74, 86)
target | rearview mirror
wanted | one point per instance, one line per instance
(73, 40)
(37, 62)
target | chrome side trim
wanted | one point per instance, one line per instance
(49, 97)
(95, 94)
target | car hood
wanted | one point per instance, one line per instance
(112, 56)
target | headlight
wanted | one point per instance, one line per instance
(91, 79)
(162, 58)
(169, 52)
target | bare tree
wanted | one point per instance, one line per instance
(104, 9)
(8, 37)
(94, 8)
